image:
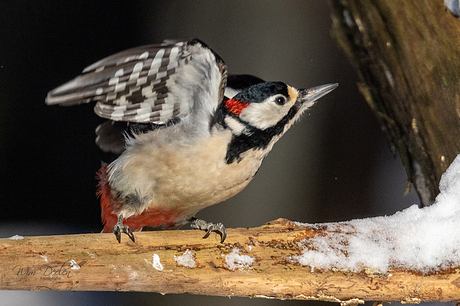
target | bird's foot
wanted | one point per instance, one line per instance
(120, 228)
(219, 228)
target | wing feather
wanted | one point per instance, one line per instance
(149, 84)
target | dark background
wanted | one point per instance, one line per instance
(334, 165)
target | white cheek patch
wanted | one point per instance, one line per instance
(264, 115)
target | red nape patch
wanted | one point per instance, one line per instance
(152, 217)
(235, 106)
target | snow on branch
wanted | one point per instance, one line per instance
(423, 240)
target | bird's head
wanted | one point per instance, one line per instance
(260, 114)
(268, 104)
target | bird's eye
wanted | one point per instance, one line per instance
(280, 100)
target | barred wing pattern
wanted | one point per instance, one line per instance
(149, 84)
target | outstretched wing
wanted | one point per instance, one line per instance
(150, 84)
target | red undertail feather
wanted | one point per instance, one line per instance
(104, 191)
(151, 217)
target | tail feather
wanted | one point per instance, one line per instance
(155, 217)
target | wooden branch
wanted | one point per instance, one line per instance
(407, 56)
(99, 262)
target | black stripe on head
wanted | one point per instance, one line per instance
(257, 139)
(242, 81)
(260, 92)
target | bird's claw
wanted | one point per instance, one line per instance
(120, 228)
(218, 228)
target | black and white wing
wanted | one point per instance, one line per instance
(149, 84)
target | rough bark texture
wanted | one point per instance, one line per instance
(99, 262)
(407, 54)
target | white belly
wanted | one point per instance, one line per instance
(186, 177)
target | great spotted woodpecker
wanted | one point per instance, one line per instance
(191, 140)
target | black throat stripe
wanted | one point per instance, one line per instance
(256, 138)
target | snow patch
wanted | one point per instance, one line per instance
(302, 224)
(74, 265)
(187, 259)
(421, 239)
(453, 6)
(16, 237)
(155, 262)
(234, 260)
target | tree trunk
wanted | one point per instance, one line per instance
(260, 267)
(407, 54)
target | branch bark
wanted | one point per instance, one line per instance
(98, 262)
(407, 57)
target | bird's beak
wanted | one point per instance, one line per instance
(308, 97)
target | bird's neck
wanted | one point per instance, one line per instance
(244, 136)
